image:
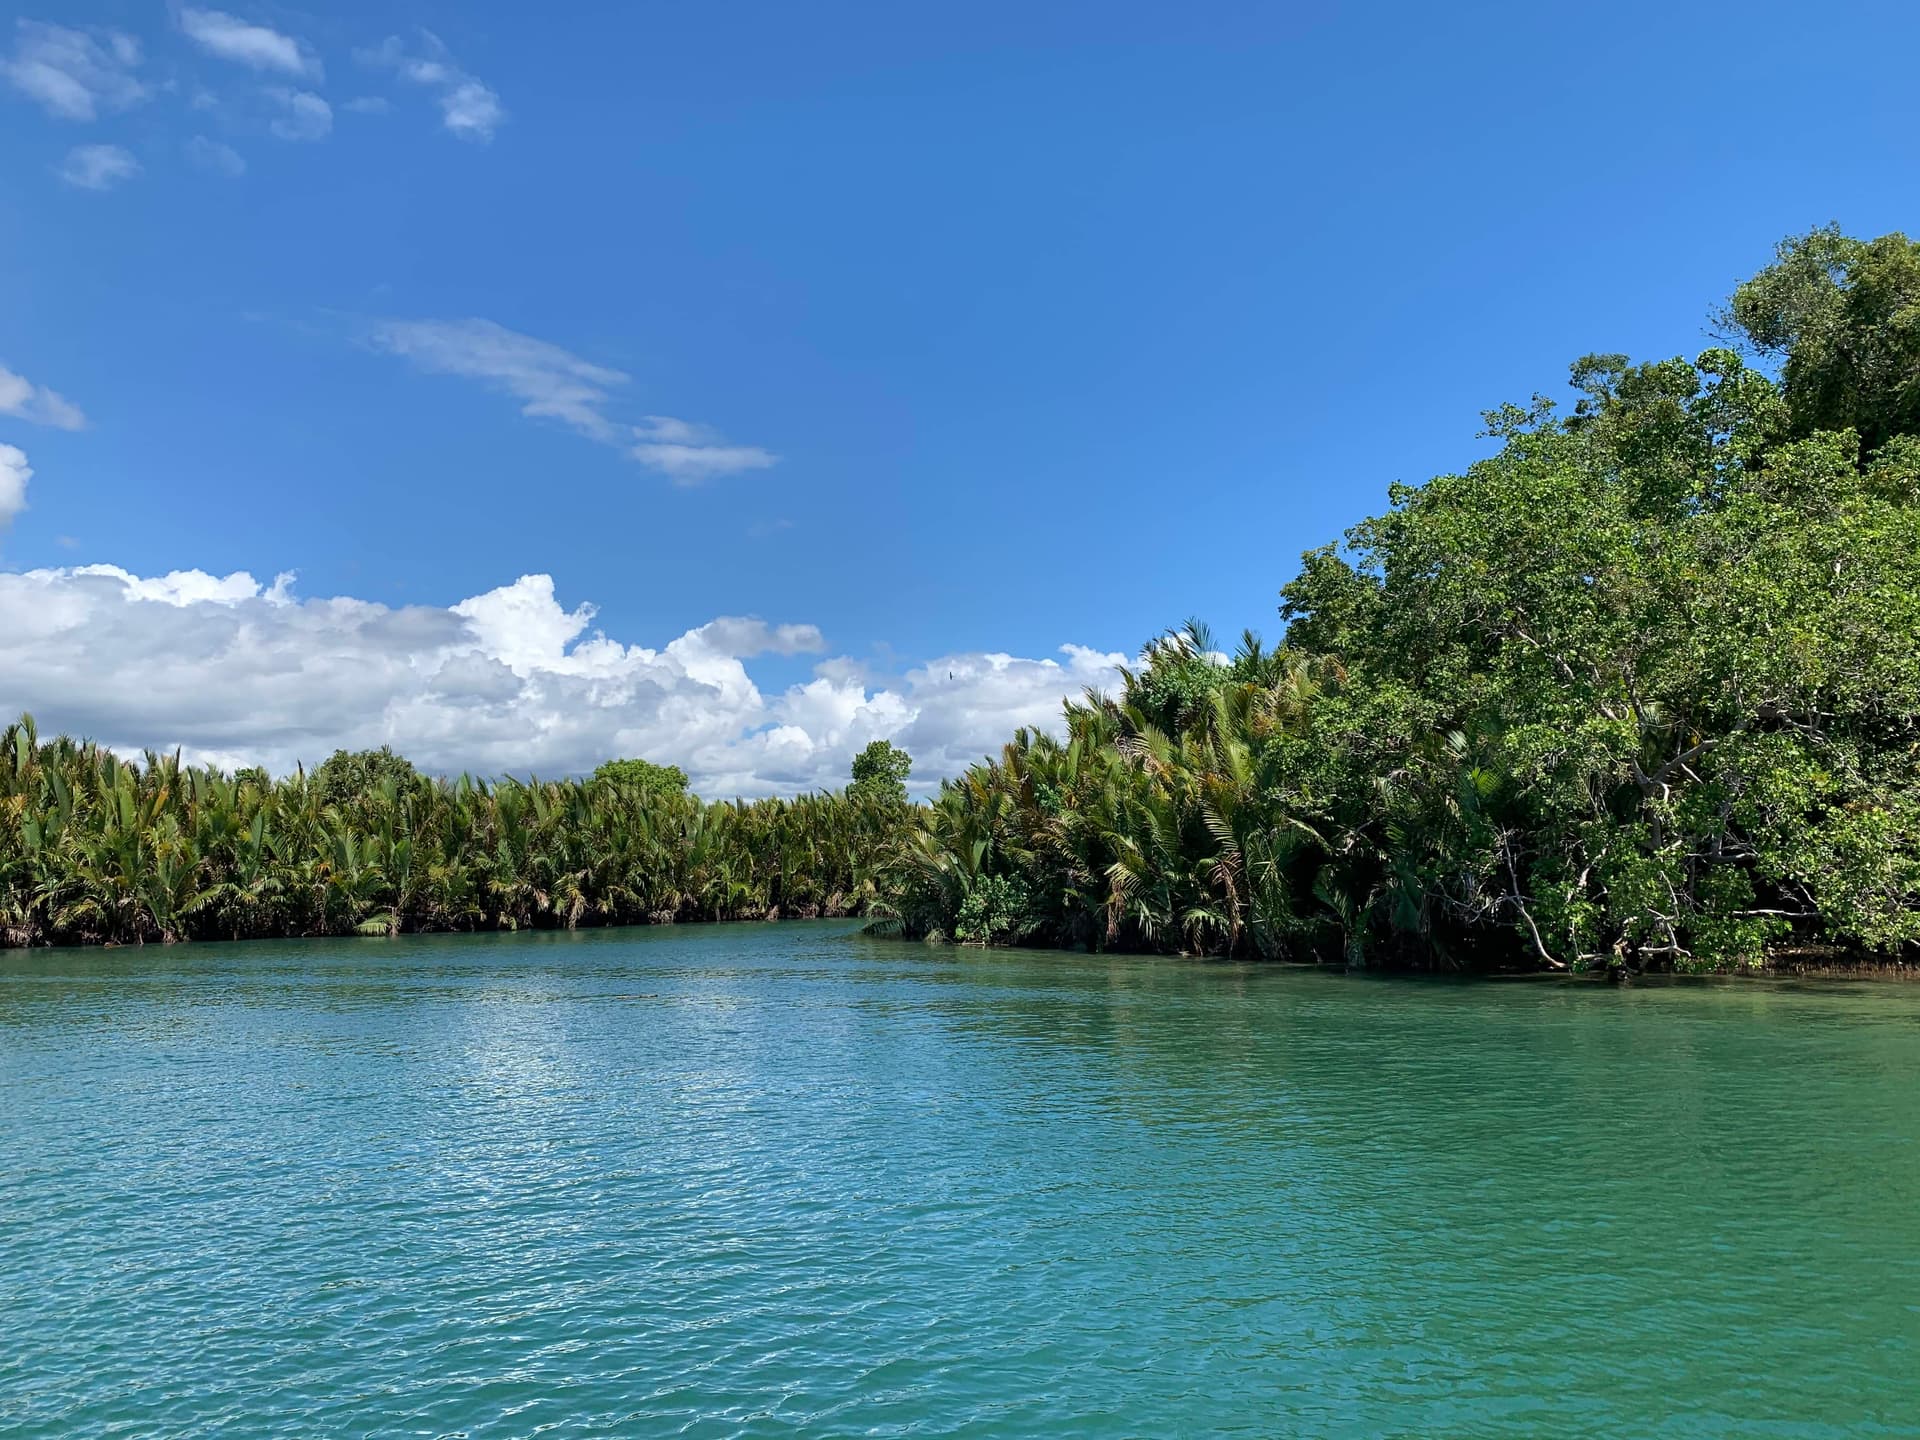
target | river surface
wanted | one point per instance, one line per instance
(786, 1180)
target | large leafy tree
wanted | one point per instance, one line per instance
(348, 775)
(1842, 316)
(1685, 645)
(880, 773)
(644, 776)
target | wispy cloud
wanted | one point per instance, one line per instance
(303, 115)
(74, 74)
(368, 105)
(555, 384)
(690, 454)
(14, 475)
(550, 382)
(97, 167)
(258, 47)
(468, 108)
(36, 404)
(216, 156)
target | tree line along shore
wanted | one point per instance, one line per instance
(1640, 691)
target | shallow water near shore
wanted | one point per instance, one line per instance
(784, 1180)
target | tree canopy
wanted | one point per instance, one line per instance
(1842, 316)
(880, 772)
(644, 776)
(347, 775)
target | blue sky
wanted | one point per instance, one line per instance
(965, 333)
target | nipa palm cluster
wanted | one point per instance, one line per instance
(95, 849)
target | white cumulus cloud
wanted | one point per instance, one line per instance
(97, 167)
(74, 74)
(469, 109)
(36, 404)
(258, 47)
(235, 672)
(14, 475)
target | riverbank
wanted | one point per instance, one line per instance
(1825, 966)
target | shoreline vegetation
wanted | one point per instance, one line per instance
(1638, 692)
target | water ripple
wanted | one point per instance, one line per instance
(776, 1181)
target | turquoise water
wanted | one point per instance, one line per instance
(782, 1180)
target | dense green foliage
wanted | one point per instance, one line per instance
(346, 774)
(1642, 689)
(1843, 318)
(880, 773)
(94, 849)
(645, 776)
